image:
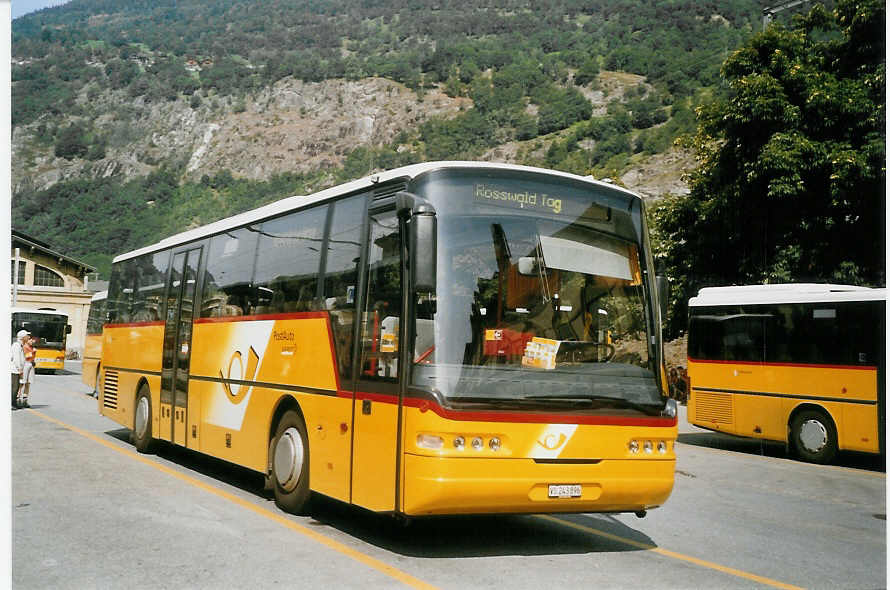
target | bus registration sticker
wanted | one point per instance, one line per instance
(564, 490)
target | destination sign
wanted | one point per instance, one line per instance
(538, 201)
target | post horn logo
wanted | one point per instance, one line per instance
(553, 441)
(242, 374)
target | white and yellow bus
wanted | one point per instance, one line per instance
(798, 363)
(438, 339)
(92, 347)
(50, 328)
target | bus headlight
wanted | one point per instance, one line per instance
(647, 447)
(670, 409)
(477, 443)
(494, 444)
(662, 447)
(633, 446)
(459, 443)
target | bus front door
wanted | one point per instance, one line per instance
(177, 346)
(376, 404)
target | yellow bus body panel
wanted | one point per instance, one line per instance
(49, 358)
(133, 352)
(235, 418)
(92, 354)
(757, 400)
(510, 480)
(374, 461)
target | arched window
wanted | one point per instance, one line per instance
(44, 277)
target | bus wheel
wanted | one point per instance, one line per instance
(814, 436)
(142, 420)
(290, 464)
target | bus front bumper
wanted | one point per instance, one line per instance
(446, 485)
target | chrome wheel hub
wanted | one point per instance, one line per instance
(288, 459)
(142, 413)
(813, 436)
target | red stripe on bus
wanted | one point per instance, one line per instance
(133, 325)
(296, 315)
(797, 365)
(518, 417)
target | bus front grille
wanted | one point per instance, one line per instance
(109, 390)
(713, 407)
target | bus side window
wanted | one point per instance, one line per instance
(229, 273)
(380, 320)
(341, 277)
(288, 260)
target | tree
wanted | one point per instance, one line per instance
(71, 143)
(791, 182)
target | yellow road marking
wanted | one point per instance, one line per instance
(672, 554)
(369, 561)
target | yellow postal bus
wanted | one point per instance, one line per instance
(442, 338)
(799, 363)
(92, 347)
(51, 330)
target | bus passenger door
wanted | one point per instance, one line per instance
(376, 399)
(177, 345)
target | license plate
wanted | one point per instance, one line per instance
(564, 490)
(44, 360)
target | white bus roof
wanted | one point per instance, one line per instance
(296, 202)
(40, 311)
(784, 293)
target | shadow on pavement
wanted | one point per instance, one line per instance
(750, 446)
(441, 536)
(478, 535)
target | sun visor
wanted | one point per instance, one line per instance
(603, 259)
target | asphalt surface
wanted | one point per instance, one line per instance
(90, 512)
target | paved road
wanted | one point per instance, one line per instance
(89, 512)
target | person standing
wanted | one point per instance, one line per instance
(17, 364)
(30, 350)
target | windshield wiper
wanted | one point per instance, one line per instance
(591, 399)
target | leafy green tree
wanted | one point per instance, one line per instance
(71, 143)
(791, 185)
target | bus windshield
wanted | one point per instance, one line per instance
(536, 309)
(50, 330)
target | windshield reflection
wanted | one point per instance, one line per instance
(534, 307)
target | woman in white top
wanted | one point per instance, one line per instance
(17, 364)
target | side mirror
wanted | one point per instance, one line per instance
(68, 329)
(422, 234)
(664, 292)
(423, 248)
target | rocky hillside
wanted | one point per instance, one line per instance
(292, 126)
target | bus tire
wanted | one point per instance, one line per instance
(289, 458)
(814, 436)
(142, 420)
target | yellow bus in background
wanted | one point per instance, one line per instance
(92, 347)
(798, 363)
(441, 338)
(51, 330)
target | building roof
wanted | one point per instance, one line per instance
(36, 244)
